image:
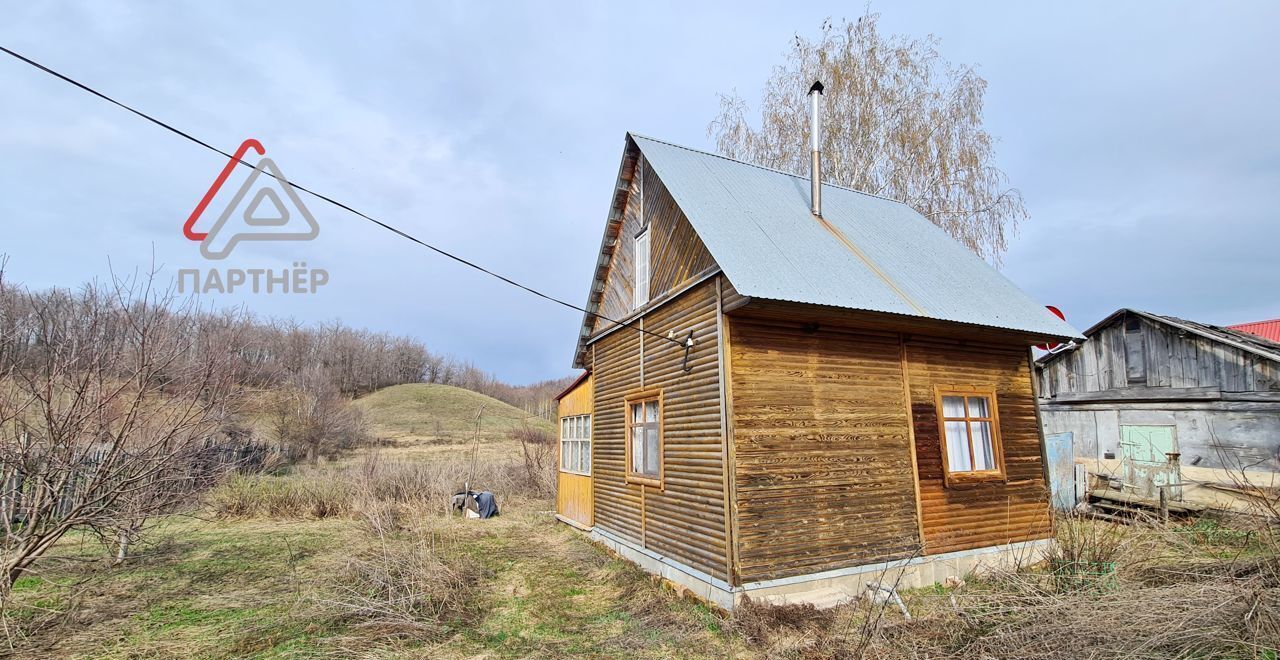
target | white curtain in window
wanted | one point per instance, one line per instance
(957, 447)
(983, 452)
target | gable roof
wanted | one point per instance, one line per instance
(1269, 330)
(865, 253)
(572, 386)
(1239, 340)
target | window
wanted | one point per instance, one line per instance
(970, 431)
(644, 438)
(642, 268)
(575, 444)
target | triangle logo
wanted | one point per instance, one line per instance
(279, 214)
(265, 218)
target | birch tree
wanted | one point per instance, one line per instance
(900, 121)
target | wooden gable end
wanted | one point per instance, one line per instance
(677, 256)
(1136, 353)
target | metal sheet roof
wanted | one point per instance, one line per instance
(871, 253)
(1269, 330)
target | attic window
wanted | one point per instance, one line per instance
(642, 268)
(969, 427)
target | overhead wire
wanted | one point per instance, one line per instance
(399, 232)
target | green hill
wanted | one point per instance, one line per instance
(441, 412)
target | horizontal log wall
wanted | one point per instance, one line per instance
(967, 516)
(684, 520)
(821, 449)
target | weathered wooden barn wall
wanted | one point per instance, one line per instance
(965, 516)
(685, 519)
(823, 468)
(1134, 352)
(574, 491)
(1224, 402)
(677, 254)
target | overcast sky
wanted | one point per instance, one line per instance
(1144, 138)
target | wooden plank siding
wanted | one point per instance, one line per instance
(975, 515)
(685, 518)
(823, 469)
(574, 491)
(677, 255)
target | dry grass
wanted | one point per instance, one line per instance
(375, 488)
(416, 589)
(1134, 591)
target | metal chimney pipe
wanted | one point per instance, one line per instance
(815, 147)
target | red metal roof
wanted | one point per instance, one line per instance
(1265, 329)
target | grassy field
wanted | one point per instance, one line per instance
(357, 558)
(264, 588)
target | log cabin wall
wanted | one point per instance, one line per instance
(684, 519)
(820, 404)
(965, 516)
(822, 449)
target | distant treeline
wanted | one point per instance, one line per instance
(273, 352)
(360, 361)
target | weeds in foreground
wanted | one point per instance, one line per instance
(417, 589)
(1175, 592)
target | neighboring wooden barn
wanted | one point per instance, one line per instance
(1153, 401)
(785, 404)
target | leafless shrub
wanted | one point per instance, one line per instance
(107, 400)
(407, 589)
(310, 415)
(539, 450)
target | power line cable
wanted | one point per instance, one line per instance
(390, 228)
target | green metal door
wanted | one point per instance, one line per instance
(1149, 457)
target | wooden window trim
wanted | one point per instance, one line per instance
(997, 446)
(561, 440)
(634, 477)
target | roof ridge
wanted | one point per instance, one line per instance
(767, 168)
(1256, 343)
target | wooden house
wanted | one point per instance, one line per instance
(786, 403)
(1151, 401)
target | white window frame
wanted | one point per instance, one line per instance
(575, 444)
(642, 268)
